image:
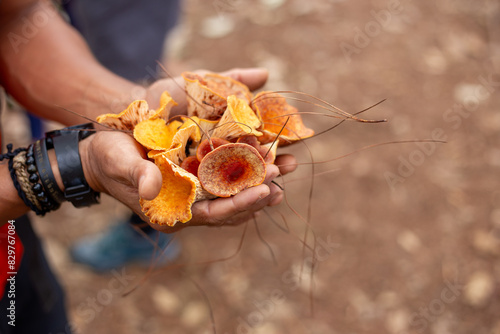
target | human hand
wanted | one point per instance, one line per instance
(241, 207)
(114, 163)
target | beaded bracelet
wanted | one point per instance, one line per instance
(40, 191)
(45, 171)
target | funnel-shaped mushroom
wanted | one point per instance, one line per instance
(231, 168)
(155, 134)
(205, 126)
(207, 94)
(166, 104)
(179, 191)
(177, 150)
(274, 111)
(135, 113)
(238, 120)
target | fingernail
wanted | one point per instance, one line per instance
(262, 196)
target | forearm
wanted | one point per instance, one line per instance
(54, 68)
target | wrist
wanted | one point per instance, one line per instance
(66, 144)
(85, 147)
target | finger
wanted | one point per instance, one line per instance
(216, 212)
(253, 78)
(286, 163)
(147, 179)
(272, 171)
(276, 196)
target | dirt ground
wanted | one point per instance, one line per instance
(407, 235)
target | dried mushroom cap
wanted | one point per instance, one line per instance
(207, 94)
(155, 134)
(204, 147)
(238, 120)
(231, 168)
(166, 104)
(205, 126)
(273, 110)
(179, 191)
(226, 86)
(177, 150)
(135, 113)
(191, 164)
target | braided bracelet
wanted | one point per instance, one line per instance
(25, 180)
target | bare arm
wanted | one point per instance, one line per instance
(45, 64)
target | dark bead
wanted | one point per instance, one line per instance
(49, 141)
(31, 169)
(29, 153)
(33, 178)
(41, 194)
(37, 188)
(30, 161)
(44, 200)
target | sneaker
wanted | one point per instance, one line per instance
(122, 245)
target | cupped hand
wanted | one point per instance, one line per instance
(241, 207)
(114, 163)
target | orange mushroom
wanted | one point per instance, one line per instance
(231, 168)
(274, 111)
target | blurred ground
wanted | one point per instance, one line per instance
(408, 235)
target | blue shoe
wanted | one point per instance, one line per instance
(121, 245)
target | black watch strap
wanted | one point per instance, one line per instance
(65, 143)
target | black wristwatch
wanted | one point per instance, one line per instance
(65, 143)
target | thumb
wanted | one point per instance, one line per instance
(148, 180)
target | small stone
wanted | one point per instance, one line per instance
(486, 243)
(479, 288)
(409, 241)
(434, 60)
(217, 26)
(266, 328)
(466, 93)
(165, 300)
(194, 314)
(272, 4)
(397, 321)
